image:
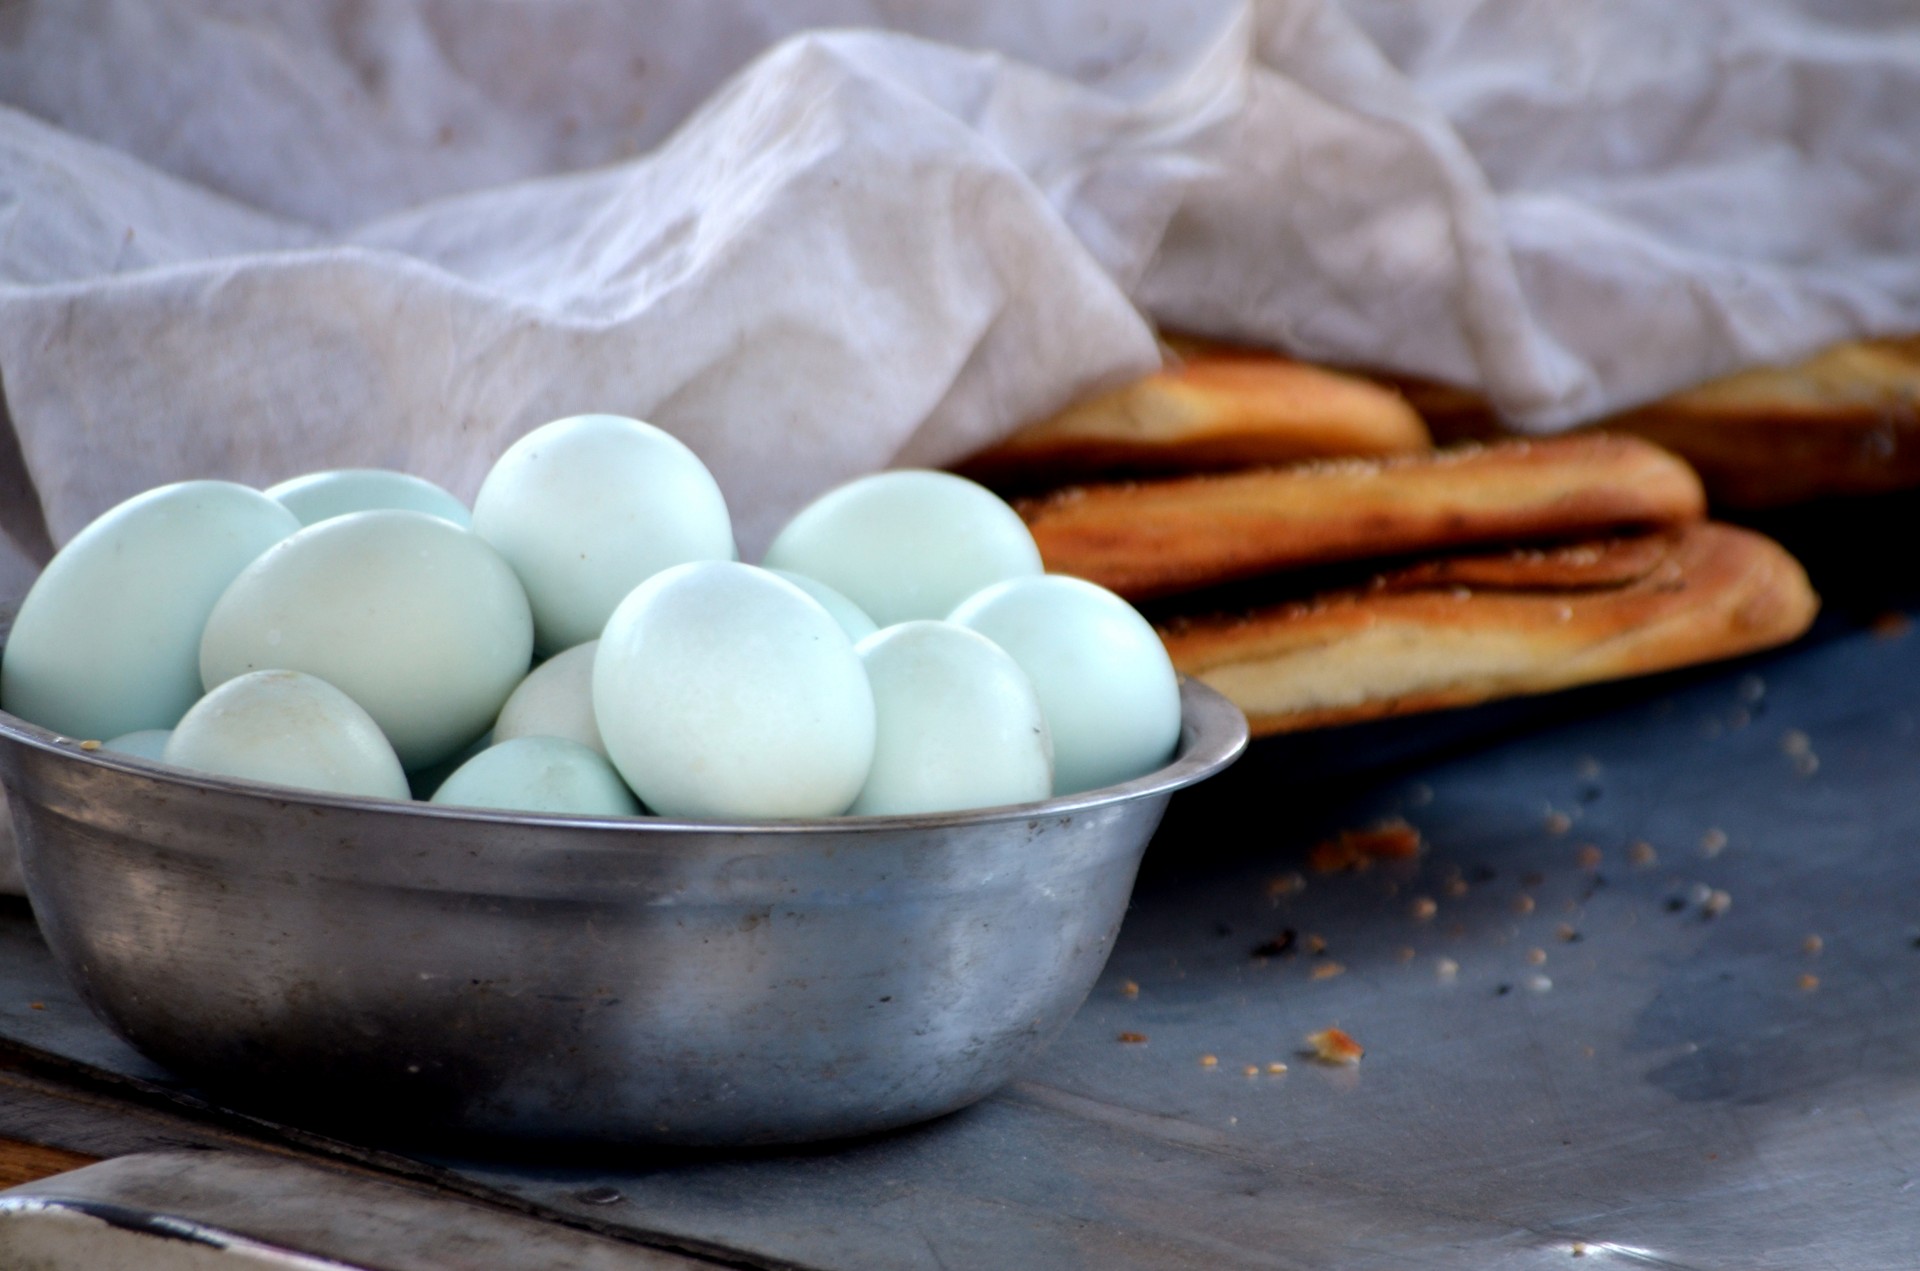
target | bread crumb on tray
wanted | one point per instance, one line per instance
(1355, 850)
(1335, 1046)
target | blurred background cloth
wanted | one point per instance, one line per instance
(254, 238)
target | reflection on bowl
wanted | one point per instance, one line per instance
(381, 964)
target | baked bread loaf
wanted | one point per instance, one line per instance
(1217, 408)
(1846, 422)
(1148, 539)
(1471, 629)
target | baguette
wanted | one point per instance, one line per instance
(1150, 539)
(1218, 409)
(1454, 633)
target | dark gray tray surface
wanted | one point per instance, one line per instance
(1667, 1088)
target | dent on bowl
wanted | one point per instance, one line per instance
(445, 969)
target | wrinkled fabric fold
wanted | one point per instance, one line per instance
(253, 240)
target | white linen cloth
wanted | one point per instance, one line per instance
(252, 238)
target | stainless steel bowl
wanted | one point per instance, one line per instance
(386, 964)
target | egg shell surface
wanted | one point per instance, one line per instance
(725, 693)
(539, 774)
(906, 544)
(288, 729)
(958, 724)
(587, 508)
(148, 743)
(425, 781)
(416, 619)
(319, 495)
(852, 618)
(107, 640)
(555, 700)
(1110, 693)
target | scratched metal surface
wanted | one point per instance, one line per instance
(1667, 1089)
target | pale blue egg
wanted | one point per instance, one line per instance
(107, 641)
(958, 724)
(288, 729)
(555, 700)
(852, 618)
(148, 743)
(416, 619)
(907, 544)
(539, 774)
(585, 509)
(723, 692)
(1109, 690)
(320, 495)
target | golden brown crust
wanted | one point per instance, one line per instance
(1405, 645)
(1451, 413)
(1158, 538)
(1219, 409)
(1613, 562)
(1844, 422)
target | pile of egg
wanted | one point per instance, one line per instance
(898, 651)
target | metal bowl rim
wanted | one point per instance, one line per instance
(1214, 728)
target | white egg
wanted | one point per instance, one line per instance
(555, 700)
(148, 743)
(852, 618)
(725, 692)
(908, 544)
(108, 640)
(414, 618)
(958, 724)
(320, 495)
(289, 729)
(586, 509)
(539, 774)
(1110, 692)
